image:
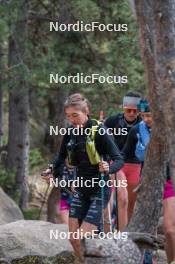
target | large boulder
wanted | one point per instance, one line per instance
(33, 242)
(109, 251)
(29, 242)
(39, 242)
(9, 211)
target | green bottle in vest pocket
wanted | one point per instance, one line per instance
(91, 150)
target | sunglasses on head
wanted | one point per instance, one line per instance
(128, 110)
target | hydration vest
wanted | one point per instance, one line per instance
(89, 148)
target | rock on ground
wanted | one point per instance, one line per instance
(29, 242)
(39, 242)
(9, 211)
(112, 252)
(161, 257)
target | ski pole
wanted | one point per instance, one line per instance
(108, 206)
(102, 201)
(117, 211)
(109, 215)
(102, 197)
(101, 118)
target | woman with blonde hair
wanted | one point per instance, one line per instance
(84, 151)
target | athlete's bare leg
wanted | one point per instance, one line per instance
(76, 243)
(122, 194)
(169, 227)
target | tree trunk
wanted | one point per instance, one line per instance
(1, 98)
(56, 117)
(165, 71)
(132, 3)
(149, 202)
(18, 138)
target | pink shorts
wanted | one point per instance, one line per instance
(132, 172)
(168, 190)
(64, 205)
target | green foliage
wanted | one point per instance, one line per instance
(3, 29)
(7, 179)
(35, 158)
(31, 214)
(7, 182)
(85, 10)
(113, 53)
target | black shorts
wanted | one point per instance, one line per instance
(88, 207)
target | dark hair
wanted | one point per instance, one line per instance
(79, 101)
(133, 94)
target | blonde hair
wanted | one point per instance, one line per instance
(78, 101)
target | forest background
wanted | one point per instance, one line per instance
(29, 52)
